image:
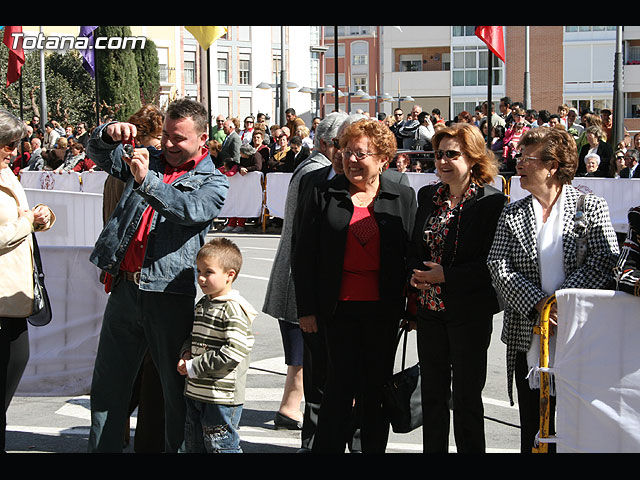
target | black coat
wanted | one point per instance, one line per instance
(467, 289)
(318, 255)
(605, 152)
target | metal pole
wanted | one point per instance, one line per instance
(283, 80)
(489, 86)
(43, 90)
(209, 108)
(618, 99)
(335, 62)
(527, 79)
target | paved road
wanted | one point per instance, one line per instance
(60, 424)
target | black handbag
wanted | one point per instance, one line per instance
(41, 314)
(401, 395)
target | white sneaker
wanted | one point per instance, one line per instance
(238, 230)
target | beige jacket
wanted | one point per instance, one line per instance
(16, 258)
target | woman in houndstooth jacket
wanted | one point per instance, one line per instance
(535, 253)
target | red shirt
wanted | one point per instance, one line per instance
(134, 256)
(361, 266)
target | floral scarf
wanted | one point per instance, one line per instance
(437, 229)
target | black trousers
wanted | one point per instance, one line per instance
(453, 357)
(360, 339)
(529, 407)
(14, 355)
(314, 377)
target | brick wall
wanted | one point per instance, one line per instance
(545, 65)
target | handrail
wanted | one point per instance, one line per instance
(545, 408)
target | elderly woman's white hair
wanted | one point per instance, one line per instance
(595, 156)
(327, 129)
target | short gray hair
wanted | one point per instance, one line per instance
(595, 156)
(11, 128)
(328, 128)
(247, 149)
(352, 118)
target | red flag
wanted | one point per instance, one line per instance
(16, 53)
(494, 39)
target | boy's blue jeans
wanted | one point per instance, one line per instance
(212, 428)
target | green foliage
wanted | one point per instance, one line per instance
(127, 78)
(148, 73)
(70, 91)
(117, 76)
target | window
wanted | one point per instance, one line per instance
(223, 68)
(277, 62)
(244, 69)
(163, 63)
(189, 67)
(470, 67)
(411, 63)
(588, 28)
(359, 82)
(359, 53)
(463, 31)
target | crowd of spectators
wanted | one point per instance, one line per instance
(52, 147)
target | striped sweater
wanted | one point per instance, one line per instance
(220, 346)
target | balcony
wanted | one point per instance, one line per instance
(421, 83)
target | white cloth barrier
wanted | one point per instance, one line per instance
(48, 180)
(597, 372)
(277, 184)
(93, 182)
(621, 194)
(78, 216)
(62, 354)
(245, 196)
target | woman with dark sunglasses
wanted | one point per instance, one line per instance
(452, 297)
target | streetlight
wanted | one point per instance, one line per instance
(280, 102)
(317, 91)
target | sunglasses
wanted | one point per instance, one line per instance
(10, 147)
(450, 154)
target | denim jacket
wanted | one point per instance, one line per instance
(183, 212)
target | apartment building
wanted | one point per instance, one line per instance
(445, 67)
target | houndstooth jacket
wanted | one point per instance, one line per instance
(514, 268)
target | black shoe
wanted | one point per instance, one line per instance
(282, 421)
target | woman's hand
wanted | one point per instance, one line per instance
(243, 171)
(308, 324)
(553, 313)
(423, 279)
(41, 215)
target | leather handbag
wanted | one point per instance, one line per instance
(401, 395)
(41, 314)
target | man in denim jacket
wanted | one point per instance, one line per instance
(148, 249)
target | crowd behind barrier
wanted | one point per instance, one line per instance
(256, 195)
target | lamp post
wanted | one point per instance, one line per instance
(317, 91)
(280, 92)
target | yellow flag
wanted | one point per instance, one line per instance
(206, 35)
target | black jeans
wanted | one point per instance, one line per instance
(453, 357)
(529, 407)
(360, 349)
(14, 355)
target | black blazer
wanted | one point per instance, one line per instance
(605, 152)
(624, 173)
(468, 289)
(318, 255)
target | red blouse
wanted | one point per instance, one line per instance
(361, 266)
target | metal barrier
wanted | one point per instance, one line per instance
(543, 330)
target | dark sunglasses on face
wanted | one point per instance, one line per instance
(336, 143)
(10, 147)
(450, 154)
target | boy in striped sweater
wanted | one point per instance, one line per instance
(215, 358)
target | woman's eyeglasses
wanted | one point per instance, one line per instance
(358, 155)
(521, 158)
(450, 154)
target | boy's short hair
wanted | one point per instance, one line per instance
(225, 252)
